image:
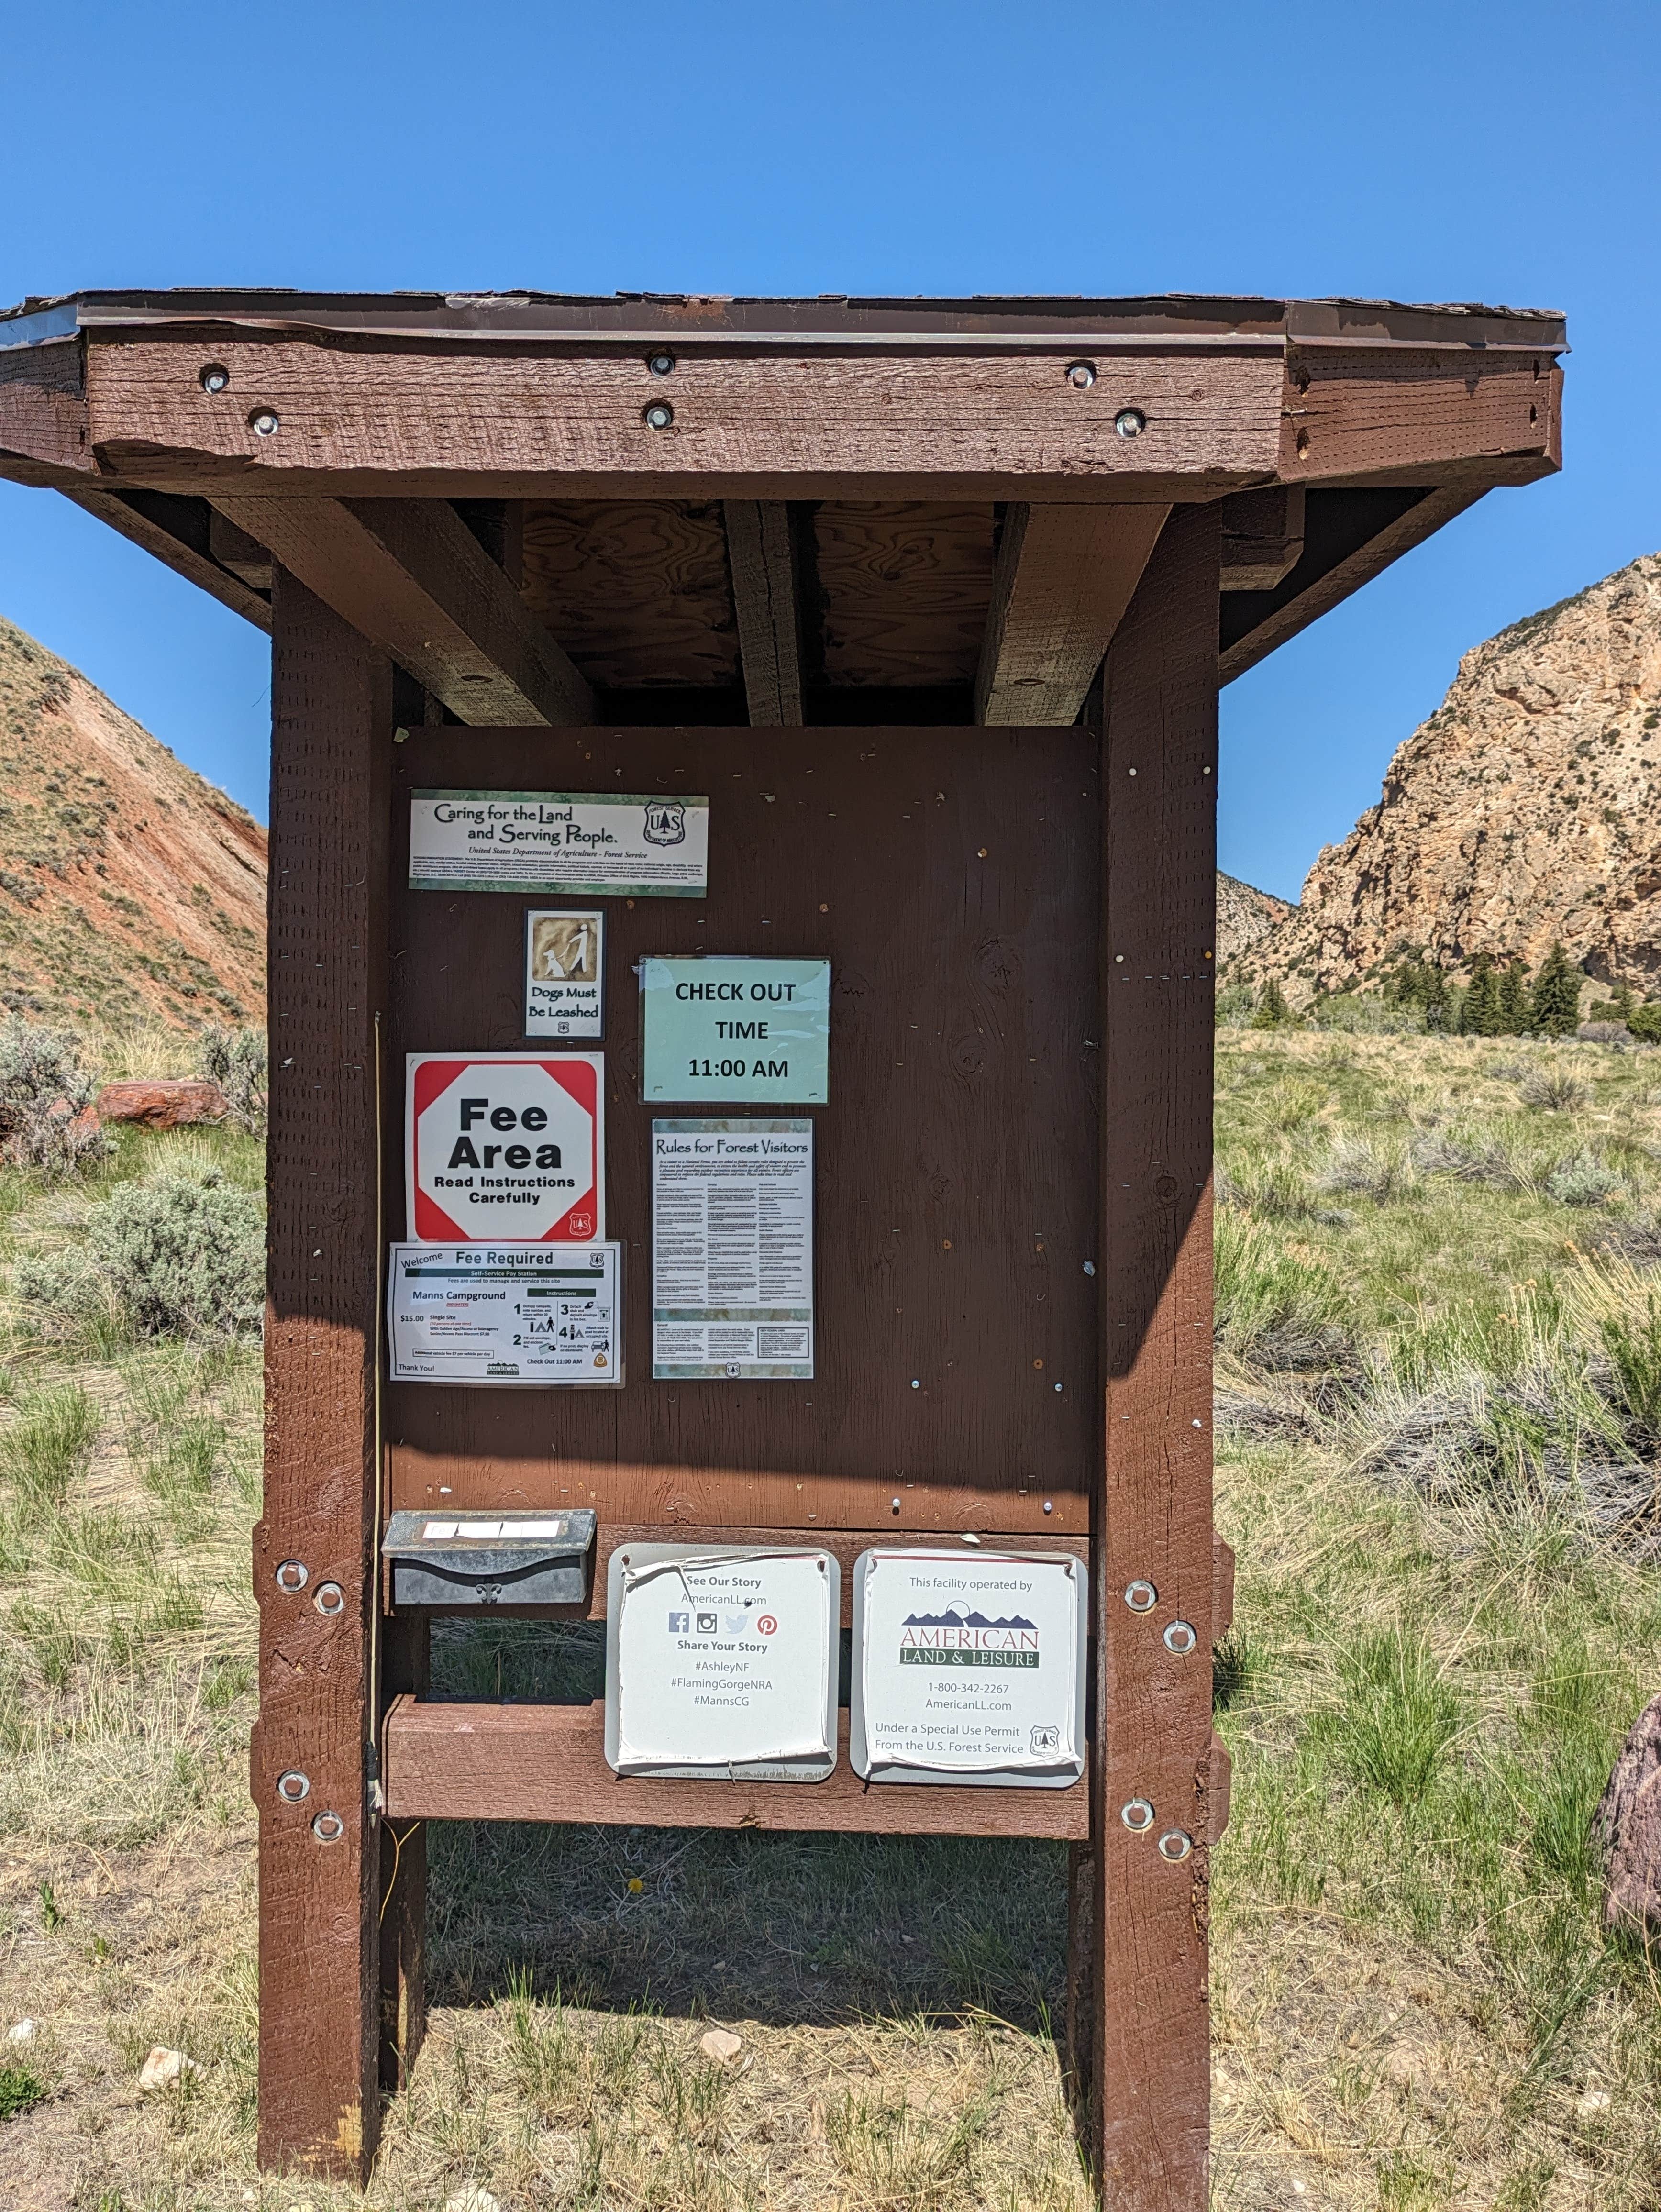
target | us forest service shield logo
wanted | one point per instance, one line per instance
(666, 821)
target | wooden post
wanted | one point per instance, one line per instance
(1143, 1934)
(319, 1850)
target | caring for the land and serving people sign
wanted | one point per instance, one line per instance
(585, 843)
(506, 1146)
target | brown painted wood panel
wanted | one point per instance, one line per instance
(950, 875)
(1355, 411)
(636, 590)
(768, 605)
(319, 1953)
(471, 1762)
(1148, 1920)
(358, 416)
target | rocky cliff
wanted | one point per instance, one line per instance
(1528, 808)
(1244, 915)
(129, 890)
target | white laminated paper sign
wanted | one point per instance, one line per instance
(732, 1250)
(513, 1314)
(565, 975)
(721, 1661)
(968, 1667)
(587, 844)
(506, 1146)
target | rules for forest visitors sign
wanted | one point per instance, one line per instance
(507, 1147)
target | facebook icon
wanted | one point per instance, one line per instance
(680, 1624)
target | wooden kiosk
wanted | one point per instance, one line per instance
(933, 599)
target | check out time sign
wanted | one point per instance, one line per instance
(507, 1147)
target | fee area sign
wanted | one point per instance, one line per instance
(753, 1031)
(506, 1146)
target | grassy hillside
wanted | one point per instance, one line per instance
(1440, 1361)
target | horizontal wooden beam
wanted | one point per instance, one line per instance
(1350, 536)
(235, 549)
(310, 415)
(1355, 411)
(1064, 576)
(1262, 537)
(489, 1762)
(409, 576)
(178, 531)
(765, 601)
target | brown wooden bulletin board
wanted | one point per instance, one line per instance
(951, 877)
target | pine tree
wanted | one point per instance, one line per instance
(1515, 1012)
(1555, 1010)
(1273, 1012)
(1480, 1014)
(1439, 1009)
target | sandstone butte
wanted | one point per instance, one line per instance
(1527, 808)
(130, 889)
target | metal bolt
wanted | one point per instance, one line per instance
(292, 1786)
(1082, 375)
(1140, 1597)
(328, 1827)
(659, 415)
(1180, 1638)
(1050, 1505)
(1090, 1266)
(1137, 1815)
(292, 1575)
(330, 1599)
(213, 376)
(661, 364)
(1175, 1846)
(894, 1505)
(1130, 422)
(1058, 1386)
(916, 1384)
(263, 423)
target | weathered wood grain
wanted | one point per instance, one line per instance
(950, 875)
(318, 1959)
(357, 415)
(43, 408)
(636, 590)
(1148, 2135)
(1065, 576)
(491, 1762)
(1262, 537)
(410, 576)
(1354, 412)
(767, 605)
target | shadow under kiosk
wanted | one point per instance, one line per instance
(919, 608)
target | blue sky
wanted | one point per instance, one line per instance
(1503, 150)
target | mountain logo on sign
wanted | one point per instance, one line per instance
(967, 1639)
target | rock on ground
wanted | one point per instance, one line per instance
(1627, 1822)
(162, 2069)
(721, 2042)
(169, 1105)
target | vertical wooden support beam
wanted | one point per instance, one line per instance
(403, 1671)
(1145, 1932)
(765, 600)
(320, 1847)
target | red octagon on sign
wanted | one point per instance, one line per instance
(506, 1149)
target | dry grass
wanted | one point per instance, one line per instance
(1441, 1633)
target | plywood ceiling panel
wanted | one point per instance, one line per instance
(636, 590)
(903, 589)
